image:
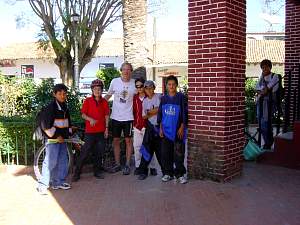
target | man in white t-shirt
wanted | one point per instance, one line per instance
(123, 89)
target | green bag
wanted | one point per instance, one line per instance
(252, 150)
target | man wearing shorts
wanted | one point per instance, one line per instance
(123, 89)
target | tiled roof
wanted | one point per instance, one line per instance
(257, 50)
(25, 51)
(167, 52)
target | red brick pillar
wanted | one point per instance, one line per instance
(292, 43)
(216, 75)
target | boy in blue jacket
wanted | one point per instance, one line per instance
(172, 118)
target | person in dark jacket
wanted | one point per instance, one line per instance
(56, 126)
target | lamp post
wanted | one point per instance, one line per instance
(75, 19)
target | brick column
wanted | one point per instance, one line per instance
(216, 75)
(292, 43)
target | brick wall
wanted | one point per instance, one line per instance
(292, 42)
(216, 74)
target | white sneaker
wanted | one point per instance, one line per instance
(42, 191)
(182, 180)
(166, 178)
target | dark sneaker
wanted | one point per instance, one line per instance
(136, 171)
(99, 175)
(126, 170)
(142, 176)
(114, 169)
(267, 147)
(153, 172)
(64, 186)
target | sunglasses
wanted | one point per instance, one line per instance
(139, 86)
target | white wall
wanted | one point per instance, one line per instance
(92, 67)
(180, 71)
(42, 68)
(48, 69)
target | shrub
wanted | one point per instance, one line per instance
(106, 75)
(250, 112)
(17, 96)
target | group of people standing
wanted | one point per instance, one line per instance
(157, 123)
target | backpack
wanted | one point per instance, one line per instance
(280, 92)
(38, 134)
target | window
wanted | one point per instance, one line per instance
(27, 71)
(106, 65)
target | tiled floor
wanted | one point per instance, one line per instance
(264, 195)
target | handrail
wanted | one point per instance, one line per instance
(296, 100)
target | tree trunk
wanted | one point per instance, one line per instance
(65, 65)
(134, 35)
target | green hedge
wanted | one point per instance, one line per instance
(250, 111)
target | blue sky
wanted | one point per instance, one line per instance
(171, 22)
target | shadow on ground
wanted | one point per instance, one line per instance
(264, 195)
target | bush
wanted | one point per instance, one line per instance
(106, 75)
(17, 96)
(250, 112)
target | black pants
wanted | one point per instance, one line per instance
(154, 147)
(173, 152)
(93, 142)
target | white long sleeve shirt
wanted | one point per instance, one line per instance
(271, 82)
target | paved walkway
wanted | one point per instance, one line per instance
(264, 195)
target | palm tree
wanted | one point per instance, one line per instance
(134, 34)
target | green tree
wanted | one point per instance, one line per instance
(106, 75)
(94, 17)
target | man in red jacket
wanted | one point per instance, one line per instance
(95, 111)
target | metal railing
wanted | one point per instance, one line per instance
(16, 144)
(292, 98)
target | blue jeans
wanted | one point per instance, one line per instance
(265, 122)
(55, 165)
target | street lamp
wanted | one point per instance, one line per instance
(75, 19)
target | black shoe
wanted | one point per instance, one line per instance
(76, 178)
(153, 172)
(142, 176)
(267, 147)
(114, 169)
(137, 171)
(99, 175)
(126, 170)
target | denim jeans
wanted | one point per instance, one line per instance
(265, 122)
(55, 165)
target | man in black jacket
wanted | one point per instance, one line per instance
(56, 126)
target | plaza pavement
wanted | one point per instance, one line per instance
(263, 195)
